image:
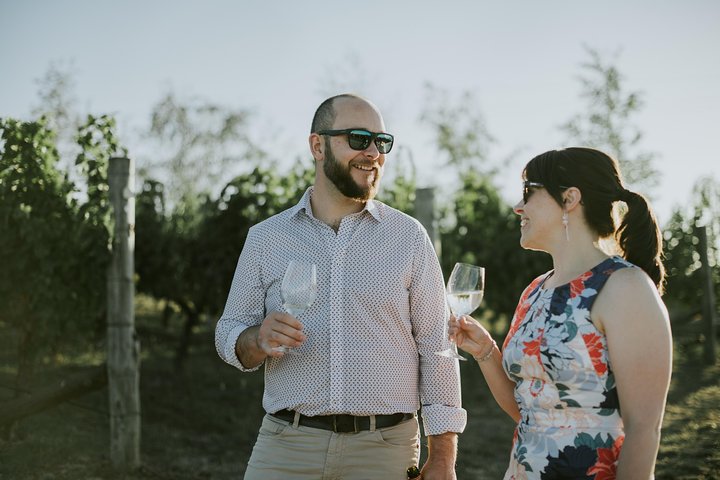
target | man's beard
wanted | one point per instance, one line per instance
(343, 180)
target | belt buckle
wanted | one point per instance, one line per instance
(342, 427)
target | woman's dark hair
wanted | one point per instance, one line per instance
(597, 176)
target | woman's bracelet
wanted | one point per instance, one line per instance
(488, 354)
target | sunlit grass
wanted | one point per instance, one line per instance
(690, 446)
(194, 414)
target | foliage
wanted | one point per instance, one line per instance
(682, 260)
(245, 201)
(606, 122)
(196, 136)
(486, 233)
(189, 255)
(477, 225)
(54, 248)
(57, 102)
(398, 186)
(460, 131)
(34, 216)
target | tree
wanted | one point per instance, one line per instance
(460, 131)
(57, 100)
(398, 187)
(188, 257)
(54, 248)
(606, 122)
(197, 136)
(477, 226)
(682, 259)
(486, 233)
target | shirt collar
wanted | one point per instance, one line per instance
(371, 206)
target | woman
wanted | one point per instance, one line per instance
(585, 367)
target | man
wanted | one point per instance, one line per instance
(341, 403)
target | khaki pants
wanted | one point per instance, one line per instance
(283, 451)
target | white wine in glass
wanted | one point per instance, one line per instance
(464, 303)
(298, 291)
(464, 293)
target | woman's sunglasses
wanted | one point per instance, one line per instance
(359, 138)
(531, 187)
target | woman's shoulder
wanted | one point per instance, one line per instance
(629, 292)
(628, 278)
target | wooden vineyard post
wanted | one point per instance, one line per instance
(123, 346)
(710, 351)
(426, 215)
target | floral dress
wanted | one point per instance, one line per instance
(570, 425)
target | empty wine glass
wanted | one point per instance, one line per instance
(298, 291)
(464, 293)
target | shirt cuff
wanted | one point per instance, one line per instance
(231, 356)
(439, 419)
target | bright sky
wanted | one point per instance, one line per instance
(520, 59)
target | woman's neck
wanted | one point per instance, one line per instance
(573, 260)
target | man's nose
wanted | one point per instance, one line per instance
(372, 151)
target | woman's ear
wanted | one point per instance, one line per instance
(572, 197)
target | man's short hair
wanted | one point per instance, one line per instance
(324, 117)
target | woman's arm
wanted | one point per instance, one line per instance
(472, 337)
(635, 321)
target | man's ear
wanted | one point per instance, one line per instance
(317, 146)
(572, 197)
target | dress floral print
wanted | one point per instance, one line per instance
(570, 424)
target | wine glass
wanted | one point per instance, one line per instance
(464, 293)
(298, 291)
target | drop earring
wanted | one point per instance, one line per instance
(565, 222)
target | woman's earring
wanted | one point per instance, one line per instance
(565, 222)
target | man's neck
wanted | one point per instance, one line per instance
(330, 206)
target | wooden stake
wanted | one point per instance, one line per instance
(708, 299)
(123, 345)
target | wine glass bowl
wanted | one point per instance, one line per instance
(465, 289)
(298, 290)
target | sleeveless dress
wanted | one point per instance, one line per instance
(570, 426)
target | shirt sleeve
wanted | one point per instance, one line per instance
(245, 305)
(440, 394)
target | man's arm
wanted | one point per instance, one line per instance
(442, 453)
(443, 415)
(245, 306)
(248, 349)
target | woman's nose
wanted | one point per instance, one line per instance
(518, 208)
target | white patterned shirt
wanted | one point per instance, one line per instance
(372, 330)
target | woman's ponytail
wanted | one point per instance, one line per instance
(639, 237)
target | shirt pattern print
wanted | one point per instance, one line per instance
(372, 330)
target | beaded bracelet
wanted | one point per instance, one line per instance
(487, 355)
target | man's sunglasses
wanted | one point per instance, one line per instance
(530, 187)
(359, 138)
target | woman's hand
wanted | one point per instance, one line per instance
(469, 335)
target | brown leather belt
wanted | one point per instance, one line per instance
(344, 423)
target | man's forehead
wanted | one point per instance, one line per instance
(354, 109)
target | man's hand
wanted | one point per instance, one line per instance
(279, 330)
(255, 344)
